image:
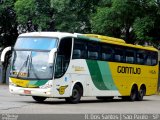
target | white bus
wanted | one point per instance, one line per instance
(65, 65)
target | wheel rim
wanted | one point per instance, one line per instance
(75, 94)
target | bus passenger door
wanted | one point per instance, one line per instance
(61, 66)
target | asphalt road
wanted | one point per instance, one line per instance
(16, 104)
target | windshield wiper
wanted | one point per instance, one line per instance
(31, 66)
(24, 64)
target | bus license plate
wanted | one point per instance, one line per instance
(27, 91)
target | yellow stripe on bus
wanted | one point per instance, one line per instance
(19, 82)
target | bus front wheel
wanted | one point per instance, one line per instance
(38, 99)
(76, 95)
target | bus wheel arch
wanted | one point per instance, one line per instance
(77, 93)
(141, 92)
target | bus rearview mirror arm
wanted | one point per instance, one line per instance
(3, 54)
(51, 55)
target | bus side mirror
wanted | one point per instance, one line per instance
(3, 54)
(52, 55)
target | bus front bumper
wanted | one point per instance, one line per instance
(31, 91)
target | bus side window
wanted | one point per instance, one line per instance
(92, 55)
(140, 57)
(93, 50)
(147, 60)
(107, 53)
(59, 66)
(79, 49)
(154, 58)
(118, 55)
(76, 54)
(129, 56)
(63, 56)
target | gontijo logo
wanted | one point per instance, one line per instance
(128, 70)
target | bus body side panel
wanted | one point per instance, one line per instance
(120, 77)
(76, 73)
(86, 73)
(125, 75)
(102, 80)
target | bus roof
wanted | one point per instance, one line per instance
(48, 34)
(118, 41)
(95, 37)
(106, 38)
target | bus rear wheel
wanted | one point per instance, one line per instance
(133, 95)
(39, 99)
(76, 95)
(141, 93)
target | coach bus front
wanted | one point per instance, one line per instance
(31, 72)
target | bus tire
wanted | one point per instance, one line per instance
(39, 99)
(133, 94)
(105, 98)
(76, 95)
(141, 93)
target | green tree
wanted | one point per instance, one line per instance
(8, 25)
(74, 15)
(102, 22)
(142, 28)
(132, 20)
(63, 15)
(147, 26)
(116, 18)
(35, 12)
(8, 30)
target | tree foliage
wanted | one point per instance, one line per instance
(117, 18)
(36, 12)
(146, 25)
(8, 25)
(132, 20)
(74, 15)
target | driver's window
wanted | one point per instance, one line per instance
(63, 56)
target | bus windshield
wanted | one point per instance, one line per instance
(30, 58)
(38, 43)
